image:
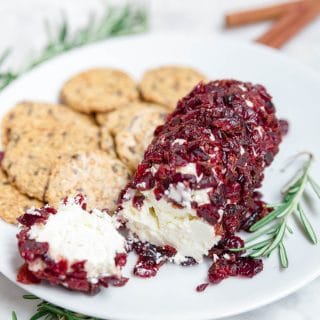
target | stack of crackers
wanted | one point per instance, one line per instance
(91, 143)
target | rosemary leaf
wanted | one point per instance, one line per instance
(14, 316)
(63, 31)
(289, 229)
(268, 218)
(278, 238)
(307, 225)
(260, 252)
(268, 231)
(30, 297)
(283, 255)
(258, 245)
(40, 314)
(254, 246)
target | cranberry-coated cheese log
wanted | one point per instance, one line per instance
(197, 182)
(71, 247)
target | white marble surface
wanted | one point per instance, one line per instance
(22, 29)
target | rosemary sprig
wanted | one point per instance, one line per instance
(117, 20)
(48, 311)
(270, 231)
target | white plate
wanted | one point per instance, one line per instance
(171, 295)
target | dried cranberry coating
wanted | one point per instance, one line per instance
(229, 130)
(73, 277)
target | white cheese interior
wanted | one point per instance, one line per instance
(160, 223)
(75, 235)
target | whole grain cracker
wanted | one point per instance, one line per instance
(99, 90)
(27, 115)
(29, 156)
(132, 141)
(94, 174)
(118, 118)
(113, 122)
(13, 203)
(167, 84)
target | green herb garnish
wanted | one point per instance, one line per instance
(48, 311)
(117, 20)
(269, 232)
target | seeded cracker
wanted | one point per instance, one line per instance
(117, 119)
(29, 157)
(167, 84)
(132, 141)
(13, 203)
(25, 116)
(99, 90)
(94, 174)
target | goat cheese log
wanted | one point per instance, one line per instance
(196, 185)
(71, 247)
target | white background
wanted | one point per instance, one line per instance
(22, 29)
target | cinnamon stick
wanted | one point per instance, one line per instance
(261, 14)
(289, 25)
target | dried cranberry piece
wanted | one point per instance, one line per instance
(60, 268)
(232, 218)
(202, 287)
(151, 258)
(208, 212)
(232, 242)
(80, 200)
(78, 266)
(145, 268)
(158, 192)
(145, 181)
(114, 281)
(80, 285)
(141, 169)
(31, 250)
(284, 125)
(219, 271)
(27, 277)
(189, 261)
(137, 201)
(29, 219)
(48, 210)
(167, 251)
(121, 259)
(248, 267)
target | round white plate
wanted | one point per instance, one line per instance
(172, 295)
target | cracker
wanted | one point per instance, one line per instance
(29, 157)
(132, 141)
(13, 203)
(107, 143)
(117, 120)
(94, 174)
(25, 116)
(167, 84)
(99, 90)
